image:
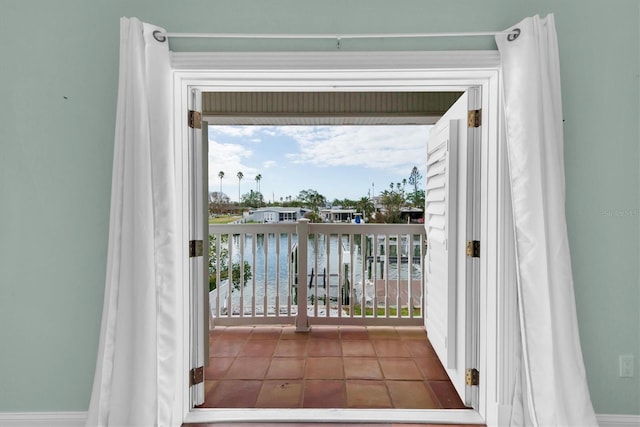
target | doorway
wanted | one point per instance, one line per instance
(419, 73)
(451, 300)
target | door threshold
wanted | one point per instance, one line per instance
(424, 416)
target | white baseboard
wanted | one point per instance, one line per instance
(78, 419)
(615, 420)
(43, 419)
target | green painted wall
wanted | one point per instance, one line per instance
(58, 81)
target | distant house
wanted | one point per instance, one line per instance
(412, 215)
(274, 215)
(338, 214)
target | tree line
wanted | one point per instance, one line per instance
(393, 199)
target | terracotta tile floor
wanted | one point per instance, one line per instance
(328, 367)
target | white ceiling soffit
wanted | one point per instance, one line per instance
(325, 108)
(319, 121)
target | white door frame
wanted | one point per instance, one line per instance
(372, 71)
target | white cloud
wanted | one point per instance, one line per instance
(269, 164)
(372, 153)
(229, 158)
(379, 147)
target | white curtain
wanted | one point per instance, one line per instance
(136, 367)
(554, 390)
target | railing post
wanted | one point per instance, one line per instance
(302, 322)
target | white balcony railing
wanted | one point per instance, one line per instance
(307, 273)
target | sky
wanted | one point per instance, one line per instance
(337, 161)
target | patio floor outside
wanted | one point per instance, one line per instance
(328, 367)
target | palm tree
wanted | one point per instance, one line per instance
(365, 206)
(240, 175)
(220, 175)
(258, 178)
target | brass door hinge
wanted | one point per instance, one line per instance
(473, 248)
(196, 248)
(472, 376)
(474, 119)
(195, 119)
(196, 376)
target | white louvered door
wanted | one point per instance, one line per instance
(199, 251)
(440, 217)
(450, 200)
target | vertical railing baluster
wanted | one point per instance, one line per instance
(398, 275)
(254, 291)
(374, 273)
(399, 252)
(383, 273)
(265, 245)
(362, 272)
(253, 275)
(302, 322)
(241, 244)
(291, 273)
(410, 290)
(352, 274)
(420, 261)
(230, 267)
(277, 237)
(314, 274)
(340, 273)
(229, 281)
(410, 265)
(326, 276)
(229, 276)
(217, 238)
(365, 251)
(423, 247)
(387, 283)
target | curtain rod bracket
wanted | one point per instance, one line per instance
(513, 34)
(158, 35)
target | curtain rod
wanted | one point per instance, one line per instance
(162, 36)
